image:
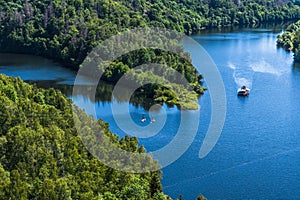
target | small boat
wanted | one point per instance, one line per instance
(243, 91)
(143, 119)
(152, 120)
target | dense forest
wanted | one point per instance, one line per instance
(42, 156)
(290, 40)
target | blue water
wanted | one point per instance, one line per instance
(258, 153)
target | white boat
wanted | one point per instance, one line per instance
(243, 91)
(143, 119)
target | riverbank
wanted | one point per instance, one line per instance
(290, 40)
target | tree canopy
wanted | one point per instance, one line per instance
(42, 155)
(290, 40)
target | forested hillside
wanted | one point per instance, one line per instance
(290, 40)
(67, 29)
(42, 155)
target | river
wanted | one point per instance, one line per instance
(257, 155)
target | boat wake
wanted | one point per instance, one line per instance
(241, 76)
(263, 66)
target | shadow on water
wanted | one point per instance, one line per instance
(255, 28)
(243, 98)
(103, 94)
(296, 66)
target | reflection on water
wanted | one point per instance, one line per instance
(29, 67)
(296, 66)
(103, 94)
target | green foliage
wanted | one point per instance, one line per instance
(160, 196)
(115, 71)
(10, 92)
(290, 40)
(135, 190)
(42, 156)
(4, 182)
(39, 98)
(201, 197)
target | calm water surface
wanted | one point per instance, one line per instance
(258, 153)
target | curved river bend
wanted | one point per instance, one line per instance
(257, 155)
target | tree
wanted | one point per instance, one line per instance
(18, 188)
(4, 182)
(201, 197)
